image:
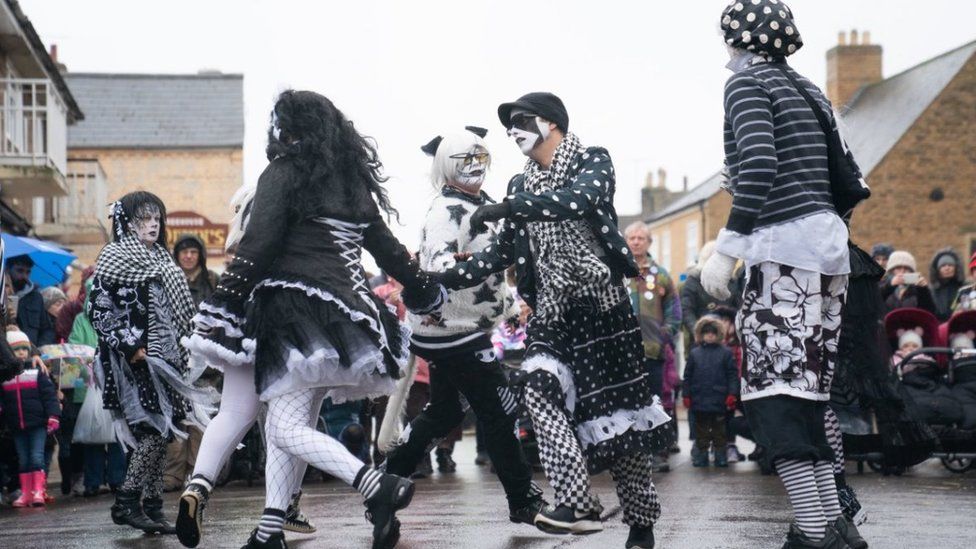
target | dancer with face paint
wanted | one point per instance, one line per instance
(239, 406)
(584, 382)
(140, 306)
(295, 301)
(456, 341)
(777, 154)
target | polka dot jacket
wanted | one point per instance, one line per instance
(588, 195)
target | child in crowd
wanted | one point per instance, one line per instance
(910, 341)
(710, 387)
(31, 411)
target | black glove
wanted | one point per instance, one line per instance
(488, 213)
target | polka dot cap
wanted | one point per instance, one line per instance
(764, 27)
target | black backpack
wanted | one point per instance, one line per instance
(847, 186)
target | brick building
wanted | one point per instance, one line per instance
(178, 136)
(914, 136)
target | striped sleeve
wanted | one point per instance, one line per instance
(749, 112)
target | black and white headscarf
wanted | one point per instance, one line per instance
(568, 267)
(128, 262)
(763, 27)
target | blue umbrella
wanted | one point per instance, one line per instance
(50, 260)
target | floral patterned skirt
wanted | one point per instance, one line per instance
(789, 325)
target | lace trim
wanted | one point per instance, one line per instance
(601, 429)
(215, 354)
(550, 364)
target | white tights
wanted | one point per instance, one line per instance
(292, 442)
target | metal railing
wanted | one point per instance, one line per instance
(33, 124)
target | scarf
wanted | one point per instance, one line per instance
(569, 269)
(128, 262)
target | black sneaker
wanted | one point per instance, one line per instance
(394, 494)
(796, 539)
(849, 533)
(563, 520)
(189, 519)
(850, 506)
(295, 519)
(445, 460)
(641, 537)
(276, 541)
(528, 513)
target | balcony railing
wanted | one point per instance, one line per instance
(84, 207)
(33, 124)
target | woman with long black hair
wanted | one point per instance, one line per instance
(295, 301)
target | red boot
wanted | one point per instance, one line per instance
(40, 489)
(26, 490)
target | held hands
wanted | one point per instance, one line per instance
(139, 356)
(730, 402)
(486, 214)
(53, 424)
(717, 274)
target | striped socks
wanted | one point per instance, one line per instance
(801, 485)
(367, 481)
(827, 488)
(272, 521)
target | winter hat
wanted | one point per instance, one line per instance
(945, 259)
(901, 258)
(543, 104)
(763, 27)
(882, 250)
(962, 341)
(909, 336)
(16, 338)
(52, 295)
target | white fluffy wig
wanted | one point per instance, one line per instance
(444, 167)
(240, 204)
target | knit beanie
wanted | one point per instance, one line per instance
(909, 336)
(16, 338)
(52, 295)
(882, 250)
(961, 341)
(901, 258)
(945, 259)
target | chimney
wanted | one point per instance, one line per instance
(662, 178)
(851, 65)
(684, 184)
(53, 54)
(649, 180)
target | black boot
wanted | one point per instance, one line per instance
(445, 463)
(128, 510)
(189, 520)
(641, 537)
(796, 539)
(295, 519)
(528, 513)
(153, 508)
(849, 532)
(393, 494)
(276, 541)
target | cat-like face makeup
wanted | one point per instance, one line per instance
(146, 224)
(470, 168)
(528, 130)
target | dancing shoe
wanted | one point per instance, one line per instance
(845, 527)
(528, 513)
(563, 520)
(153, 508)
(189, 520)
(295, 519)
(850, 506)
(393, 494)
(275, 541)
(796, 539)
(641, 537)
(128, 510)
(445, 461)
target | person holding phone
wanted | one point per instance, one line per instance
(904, 287)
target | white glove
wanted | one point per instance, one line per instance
(717, 274)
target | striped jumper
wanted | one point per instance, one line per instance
(775, 149)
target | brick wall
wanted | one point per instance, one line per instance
(938, 152)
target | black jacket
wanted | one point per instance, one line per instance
(205, 283)
(33, 319)
(944, 291)
(916, 297)
(696, 302)
(588, 195)
(710, 376)
(29, 399)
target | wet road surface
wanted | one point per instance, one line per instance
(733, 508)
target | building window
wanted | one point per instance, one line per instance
(691, 243)
(666, 249)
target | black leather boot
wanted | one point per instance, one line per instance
(128, 510)
(153, 508)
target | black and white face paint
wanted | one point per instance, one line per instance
(470, 169)
(146, 224)
(528, 130)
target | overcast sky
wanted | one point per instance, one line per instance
(642, 78)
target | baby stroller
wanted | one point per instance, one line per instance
(959, 442)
